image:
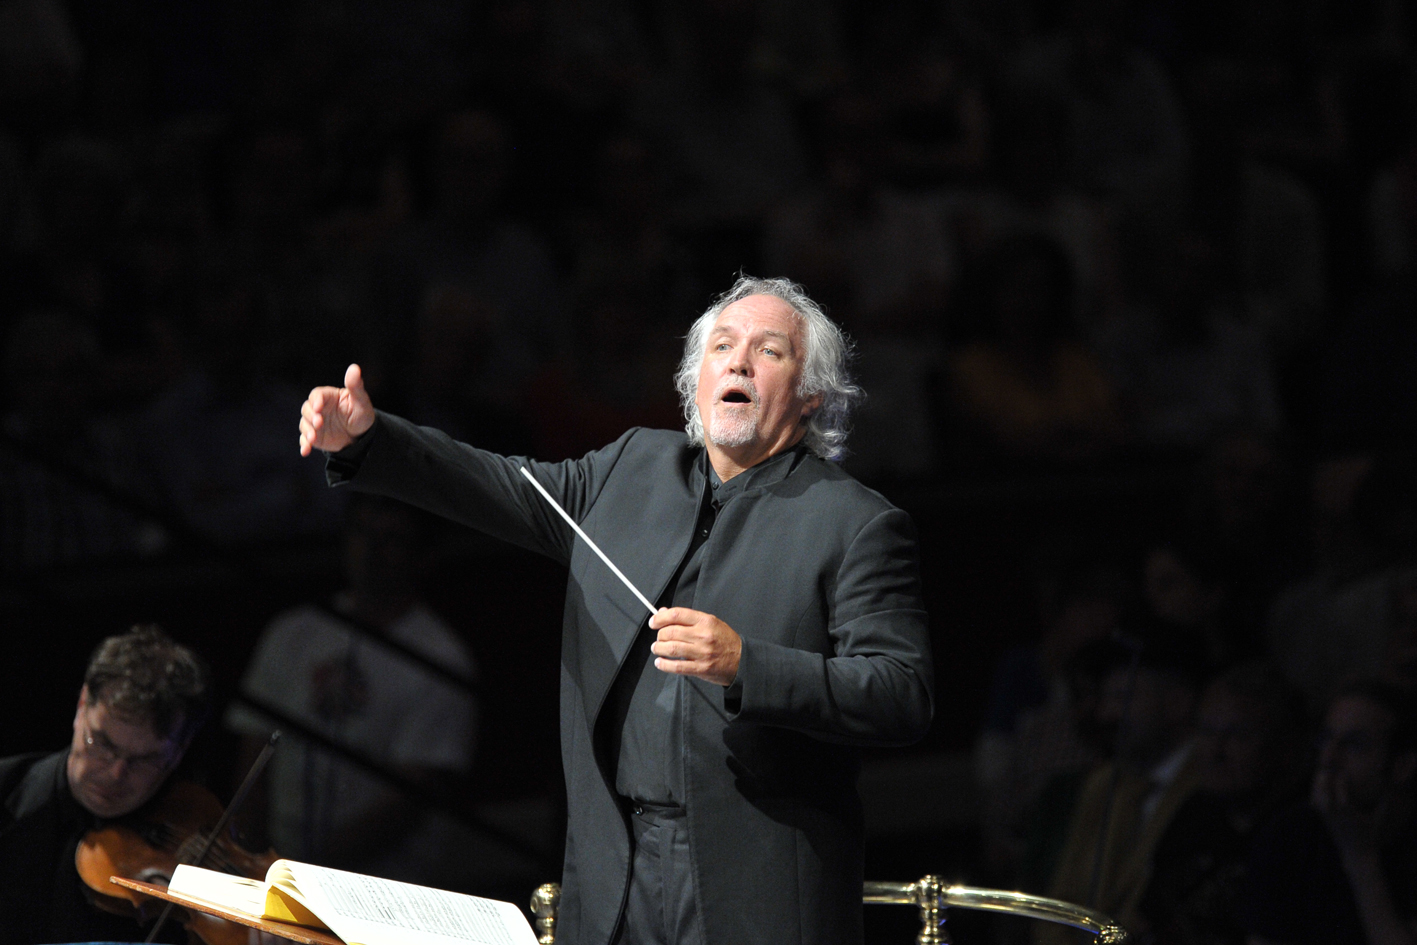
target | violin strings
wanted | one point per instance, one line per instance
(169, 838)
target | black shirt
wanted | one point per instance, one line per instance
(42, 898)
(643, 711)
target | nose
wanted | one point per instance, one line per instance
(741, 361)
(117, 769)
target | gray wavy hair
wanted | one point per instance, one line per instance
(824, 368)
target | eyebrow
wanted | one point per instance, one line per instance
(108, 743)
(719, 330)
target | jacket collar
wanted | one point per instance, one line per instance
(769, 472)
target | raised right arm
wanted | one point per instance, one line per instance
(428, 469)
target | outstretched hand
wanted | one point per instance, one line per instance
(334, 417)
(693, 643)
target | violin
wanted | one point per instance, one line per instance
(148, 846)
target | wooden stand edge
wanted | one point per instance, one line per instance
(296, 933)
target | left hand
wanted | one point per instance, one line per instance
(693, 643)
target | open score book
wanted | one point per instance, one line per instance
(362, 910)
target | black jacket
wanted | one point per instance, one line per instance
(42, 898)
(820, 578)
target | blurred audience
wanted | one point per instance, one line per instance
(578, 405)
(473, 238)
(879, 258)
(71, 486)
(330, 669)
(1187, 367)
(1400, 658)
(1022, 386)
(938, 126)
(1186, 585)
(725, 131)
(1337, 621)
(1127, 141)
(1343, 868)
(1363, 392)
(625, 241)
(1250, 757)
(1149, 263)
(1032, 195)
(1392, 215)
(1148, 701)
(1036, 736)
(1245, 500)
(453, 386)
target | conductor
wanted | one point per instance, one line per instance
(710, 749)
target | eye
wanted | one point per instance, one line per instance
(770, 352)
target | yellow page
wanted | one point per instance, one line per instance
(283, 898)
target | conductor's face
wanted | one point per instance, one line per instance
(748, 385)
(116, 764)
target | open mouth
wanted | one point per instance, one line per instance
(736, 397)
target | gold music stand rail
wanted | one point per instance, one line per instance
(932, 897)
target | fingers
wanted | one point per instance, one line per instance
(310, 422)
(321, 425)
(721, 671)
(322, 399)
(310, 433)
(700, 668)
(693, 643)
(675, 616)
(678, 636)
(679, 649)
(312, 418)
(354, 387)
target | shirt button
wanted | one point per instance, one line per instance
(639, 809)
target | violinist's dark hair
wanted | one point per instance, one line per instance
(146, 675)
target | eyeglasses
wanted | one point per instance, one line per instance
(102, 750)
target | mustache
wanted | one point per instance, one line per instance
(742, 384)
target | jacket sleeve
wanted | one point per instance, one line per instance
(485, 491)
(877, 685)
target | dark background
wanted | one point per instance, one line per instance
(509, 212)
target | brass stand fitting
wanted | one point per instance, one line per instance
(932, 912)
(544, 903)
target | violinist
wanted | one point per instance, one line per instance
(144, 697)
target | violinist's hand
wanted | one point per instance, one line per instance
(693, 643)
(334, 417)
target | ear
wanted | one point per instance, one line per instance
(813, 404)
(83, 701)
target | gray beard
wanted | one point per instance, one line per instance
(732, 432)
